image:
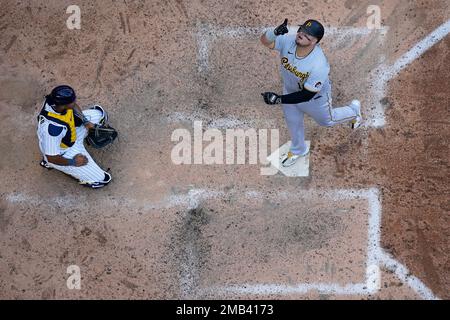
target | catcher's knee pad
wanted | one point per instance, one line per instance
(104, 119)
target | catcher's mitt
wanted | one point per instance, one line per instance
(101, 135)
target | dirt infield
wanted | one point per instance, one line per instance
(166, 231)
(416, 175)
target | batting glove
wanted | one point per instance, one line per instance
(271, 98)
(282, 28)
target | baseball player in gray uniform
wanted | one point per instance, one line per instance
(306, 85)
(62, 128)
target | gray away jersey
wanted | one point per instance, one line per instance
(310, 72)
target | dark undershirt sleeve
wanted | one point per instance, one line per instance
(297, 97)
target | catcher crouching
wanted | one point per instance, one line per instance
(62, 129)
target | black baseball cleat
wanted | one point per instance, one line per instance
(45, 165)
(98, 185)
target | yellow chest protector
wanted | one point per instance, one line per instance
(67, 119)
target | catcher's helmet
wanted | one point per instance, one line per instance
(62, 95)
(313, 28)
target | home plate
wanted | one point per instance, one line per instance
(298, 169)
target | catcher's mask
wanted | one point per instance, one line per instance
(102, 134)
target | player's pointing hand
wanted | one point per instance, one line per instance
(282, 28)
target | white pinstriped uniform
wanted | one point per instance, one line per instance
(310, 72)
(51, 145)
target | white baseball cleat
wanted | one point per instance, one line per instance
(356, 106)
(97, 185)
(45, 164)
(289, 159)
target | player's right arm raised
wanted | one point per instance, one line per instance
(268, 37)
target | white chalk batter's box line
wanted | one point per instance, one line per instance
(379, 77)
(207, 33)
(376, 257)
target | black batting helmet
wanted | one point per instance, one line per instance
(313, 28)
(62, 95)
